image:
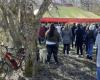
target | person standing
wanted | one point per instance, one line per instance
(52, 42)
(90, 40)
(73, 33)
(41, 34)
(97, 43)
(79, 39)
(66, 38)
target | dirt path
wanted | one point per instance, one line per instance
(70, 67)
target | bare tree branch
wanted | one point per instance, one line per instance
(43, 8)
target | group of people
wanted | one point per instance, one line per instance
(71, 35)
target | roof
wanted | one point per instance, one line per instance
(71, 20)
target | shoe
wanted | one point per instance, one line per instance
(81, 56)
(90, 58)
(65, 54)
(57, 63)
(47, 62)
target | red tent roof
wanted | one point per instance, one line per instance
(71, 20)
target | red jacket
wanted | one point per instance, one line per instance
(41, 32)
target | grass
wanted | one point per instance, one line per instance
(69, 12)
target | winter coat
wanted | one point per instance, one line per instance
(41, 31)
(73, 31)
(79, 36)
(66, 36)
(56, 38)
(97, 43)
(90, 38)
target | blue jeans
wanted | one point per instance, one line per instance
(90, 49)
(98, 73)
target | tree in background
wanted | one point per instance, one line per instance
(19, 20)
(91, 5)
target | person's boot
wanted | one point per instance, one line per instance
(88, 57)
(79, 55)
(67, 52)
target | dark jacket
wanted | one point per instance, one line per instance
(73, 31)
(90, 38)
(79, 36)
(55, 38)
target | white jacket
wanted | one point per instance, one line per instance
(97, 43)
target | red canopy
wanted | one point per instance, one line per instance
(71, 20)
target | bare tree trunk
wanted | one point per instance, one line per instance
(25, 31)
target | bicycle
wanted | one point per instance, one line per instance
(7, 66)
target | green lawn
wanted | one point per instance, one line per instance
(69, 12)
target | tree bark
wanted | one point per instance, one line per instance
(25, 31)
